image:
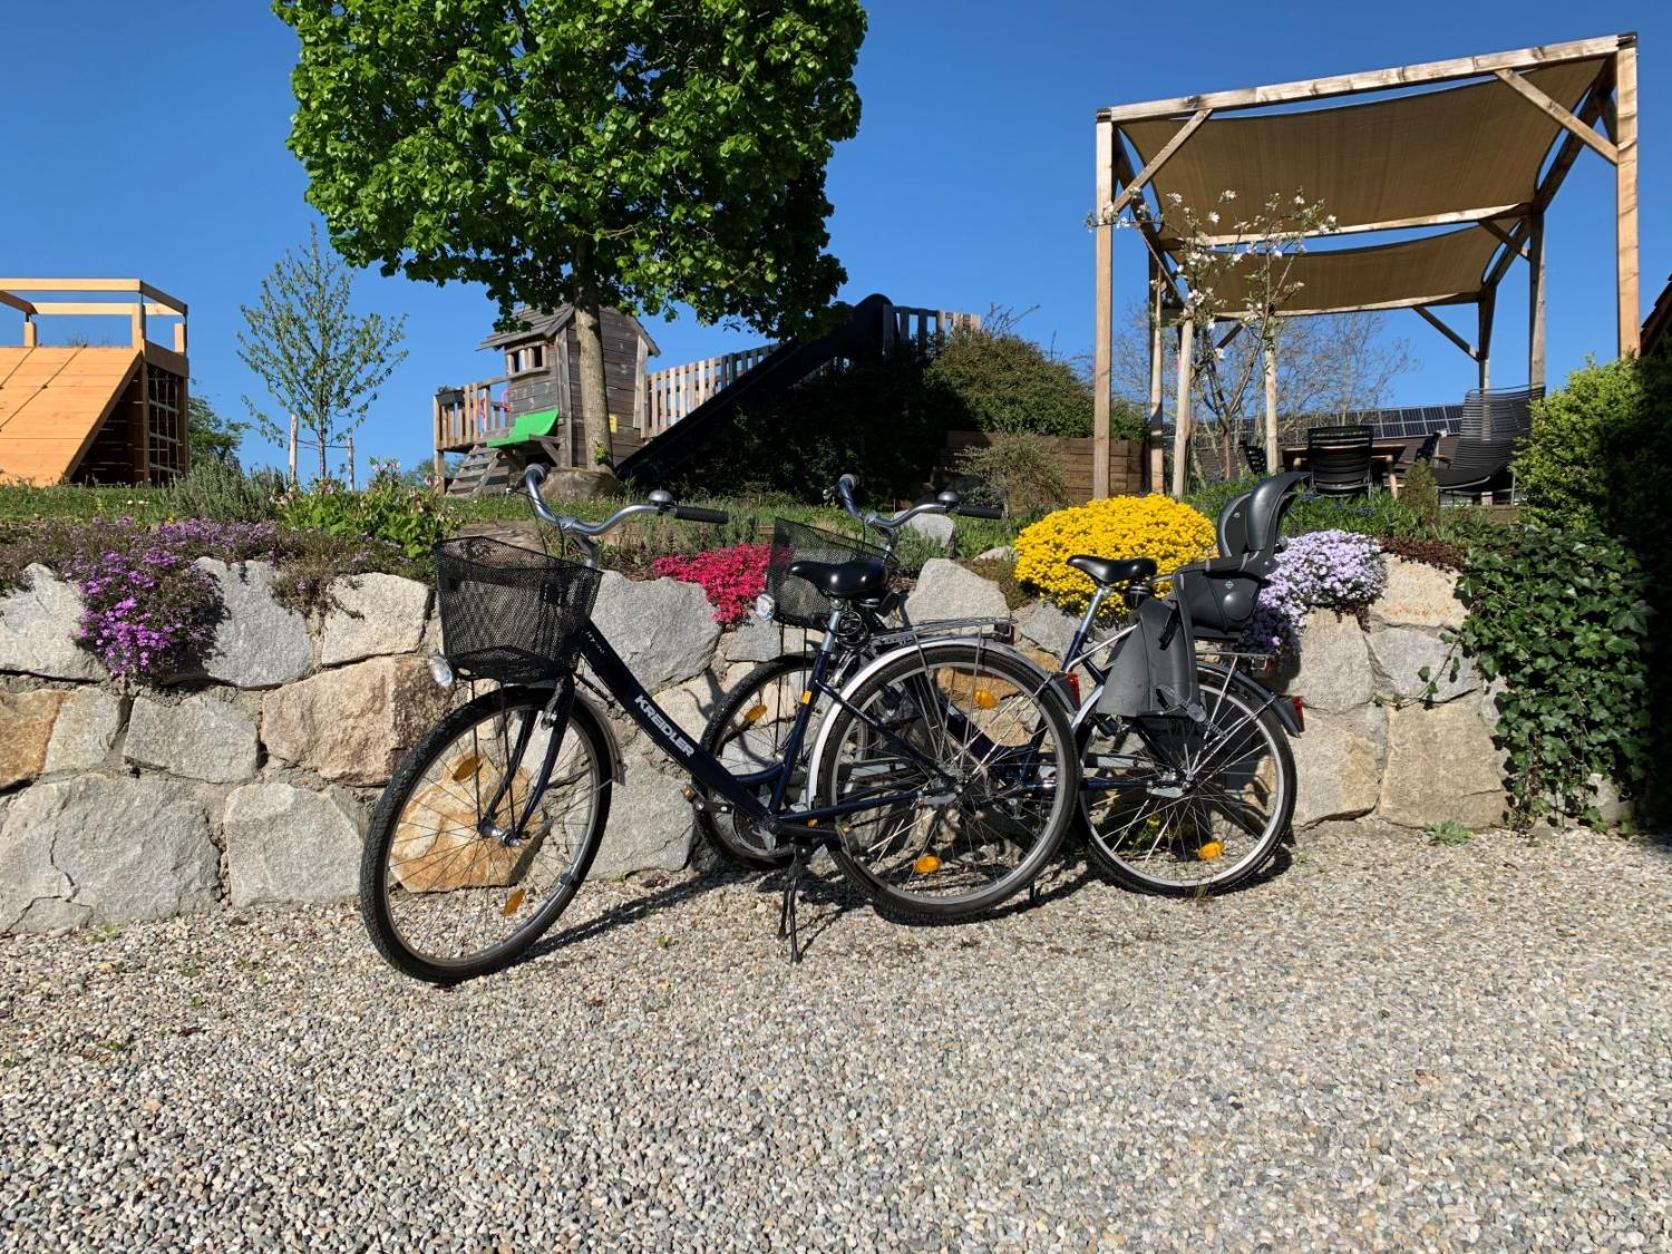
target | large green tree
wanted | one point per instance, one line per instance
(627, 153)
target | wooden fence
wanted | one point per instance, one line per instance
(672, 393)
(1075, 456)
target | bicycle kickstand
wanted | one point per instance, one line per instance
(786, 916)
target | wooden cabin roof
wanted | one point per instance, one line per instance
(52, 403)
(545, 325)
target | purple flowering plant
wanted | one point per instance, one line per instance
(148, 611)
(1339, 570)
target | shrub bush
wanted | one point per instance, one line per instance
(412, 519)
(991, 379)
(1597, 455)
(1123, 526)
(731, 577)
(1573, 653)
(1597, 459)
(218, 489)
(1023, 469)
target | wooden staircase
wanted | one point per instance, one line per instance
(484, 472)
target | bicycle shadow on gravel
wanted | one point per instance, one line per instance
(821, 891)
(628, 913)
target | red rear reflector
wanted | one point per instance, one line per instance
(1300, 713)
(1072, 679)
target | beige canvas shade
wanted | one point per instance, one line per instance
(1477, 147)
(1438, 268)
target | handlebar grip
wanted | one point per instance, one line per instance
(980, 511)
(692, 513)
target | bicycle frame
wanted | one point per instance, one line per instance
(712, 776)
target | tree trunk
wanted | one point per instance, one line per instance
(594, 398)
(324, 467)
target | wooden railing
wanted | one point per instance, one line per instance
(467, 416)
(133, 299)
(673, 393)
(922, 327)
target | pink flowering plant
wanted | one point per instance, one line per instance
(731, 577)
(1338, 570)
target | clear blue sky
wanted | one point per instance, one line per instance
(148, 140)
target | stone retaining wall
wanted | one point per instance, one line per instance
(252, 782)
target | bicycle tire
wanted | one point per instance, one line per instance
(896, 672)
(1249, 864)
(717, 829)
(585, 725)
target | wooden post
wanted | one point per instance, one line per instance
(1625, 197)
(293, 450)
(1103, 329)
(29, 340)
(1487, 299)
(1274, 454)
(1181, 409)
(1157, 471)
(1535, 302)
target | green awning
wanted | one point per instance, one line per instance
(535, 426)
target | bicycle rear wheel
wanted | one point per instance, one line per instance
(1187, 809)
(975, 757)
(452, 883)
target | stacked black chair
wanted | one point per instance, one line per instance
(1492, 423)
(1255, 456)
(1339, 460)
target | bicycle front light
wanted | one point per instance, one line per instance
(440, 671)
(764, 607)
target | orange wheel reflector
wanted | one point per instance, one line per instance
(1210, 851)
(928, 864)
(468, 766)
(754, 714)
(985, 700)
(512, 903)
(806, 696)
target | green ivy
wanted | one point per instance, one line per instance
(1562, 617)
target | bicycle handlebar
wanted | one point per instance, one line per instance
(947, 502)
(585, 534)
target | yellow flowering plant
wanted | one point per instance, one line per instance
(1152, 526)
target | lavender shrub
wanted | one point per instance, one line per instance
(1337, 570)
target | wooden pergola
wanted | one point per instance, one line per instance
(1464, 171)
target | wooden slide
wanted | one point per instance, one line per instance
(53, 401)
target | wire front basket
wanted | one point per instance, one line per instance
(795, 602)
(510, 614)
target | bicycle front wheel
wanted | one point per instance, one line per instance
(454, 883)
(969, 757)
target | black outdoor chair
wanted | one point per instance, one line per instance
(1492, 423)
(1425, 450)
(1255, 456)
(1338, 459)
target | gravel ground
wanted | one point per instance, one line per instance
(1387, 1044)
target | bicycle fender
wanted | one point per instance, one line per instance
(1258, 694)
